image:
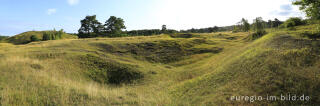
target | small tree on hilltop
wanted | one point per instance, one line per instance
(164, 29)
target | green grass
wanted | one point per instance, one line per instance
(181, 69)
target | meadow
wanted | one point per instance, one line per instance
(167, 69)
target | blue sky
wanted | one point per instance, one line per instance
(18, 16)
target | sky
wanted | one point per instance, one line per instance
(17, 16)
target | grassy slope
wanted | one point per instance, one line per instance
(204, 69)
(24, 38)
(279, 63)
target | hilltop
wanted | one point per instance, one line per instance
(176, 69)
(25, 37)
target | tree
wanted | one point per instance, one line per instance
(90, 27)
(114, 26)
(258, 27)
(59, 34)
(164, 28)
(276, 23)
(310, 7)
(270, 24)
(34, 38)
(245, 25)
(215, 29)
(258, 24)
(46, 36)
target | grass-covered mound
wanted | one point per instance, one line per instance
(26, 37)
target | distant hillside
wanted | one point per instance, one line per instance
(3, 37)
(25, 37)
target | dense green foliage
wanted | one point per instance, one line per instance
(149, 32)
(243, 25)
(146, 32)
(114, 26)
(91, 27)
(54, 35)
(164, 28)
(207, 30)
(258, 24)
(25, 38)
(34, 38)
(310, 7)
(292, 22)
(246, 25)
(259, 28)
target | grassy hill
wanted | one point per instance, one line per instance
(25, 37)
(180, 69)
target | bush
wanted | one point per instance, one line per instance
(257, 34)
(292, 22)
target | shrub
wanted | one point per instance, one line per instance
(257, 34)
(292, 22)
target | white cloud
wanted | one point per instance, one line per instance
(51, 11)
(73, 2)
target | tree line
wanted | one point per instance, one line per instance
(114, 26)
(91, 27)
(149, 32)
(48, 35)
